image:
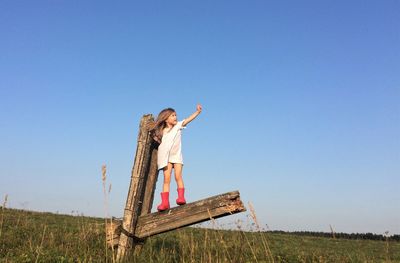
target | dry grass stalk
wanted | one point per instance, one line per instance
(2, 213)
(39, 248)
(5, 201)
(248, 242)
(113, 231)
(332, 231)
(103, 179)
(220, 235)
(387, 246)
(263, 238)
(111, 237)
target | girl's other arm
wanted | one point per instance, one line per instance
(193, 116)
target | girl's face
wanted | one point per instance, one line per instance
(172, 119)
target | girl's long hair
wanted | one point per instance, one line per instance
(156, 128)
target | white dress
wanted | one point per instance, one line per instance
(169, 151)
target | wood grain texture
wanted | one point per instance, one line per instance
(136, 188)
(189, 214)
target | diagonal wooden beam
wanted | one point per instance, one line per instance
(189, 214)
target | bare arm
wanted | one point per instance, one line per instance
(193, 116)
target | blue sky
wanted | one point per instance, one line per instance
(300, 105)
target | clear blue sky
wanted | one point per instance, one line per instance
(300, 104)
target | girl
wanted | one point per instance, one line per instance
(167, 131)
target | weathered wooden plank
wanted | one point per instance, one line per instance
(192, 213)
(151, 180)
(136, 189)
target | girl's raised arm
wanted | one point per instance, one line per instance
(193, 116)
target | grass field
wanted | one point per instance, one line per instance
(27, 236)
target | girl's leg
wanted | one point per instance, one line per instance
(165, 193)
(181, 190)
(178, 175)
(167, 177)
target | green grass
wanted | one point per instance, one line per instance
(27, 236)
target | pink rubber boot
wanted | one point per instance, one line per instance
(181, 197)
(164, 202)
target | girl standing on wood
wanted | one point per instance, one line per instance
(167, 131)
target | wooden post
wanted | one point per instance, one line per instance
(150, 187)
(137, 186)
(151, 181)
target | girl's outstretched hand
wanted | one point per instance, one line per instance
(193, 116)
(199, 108)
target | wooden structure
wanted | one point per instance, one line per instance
(138, 223)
